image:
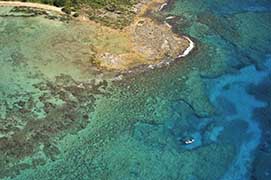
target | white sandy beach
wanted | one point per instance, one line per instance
(32, 5)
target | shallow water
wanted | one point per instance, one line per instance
(57, 123)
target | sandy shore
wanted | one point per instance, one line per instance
(31, 5)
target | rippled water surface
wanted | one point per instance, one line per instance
(60, 118)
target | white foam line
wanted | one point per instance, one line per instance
(168, 25)
(162, 6)
(170, 17)
(189, 49)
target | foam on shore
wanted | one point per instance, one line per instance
(162, 6)
(189, 49)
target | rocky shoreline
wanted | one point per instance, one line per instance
(155, 41)
(145, 42)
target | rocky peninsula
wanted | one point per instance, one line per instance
(143, 40)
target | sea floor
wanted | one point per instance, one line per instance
(62, 119)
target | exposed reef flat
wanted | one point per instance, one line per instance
(144, 41)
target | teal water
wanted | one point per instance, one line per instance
(58, 122)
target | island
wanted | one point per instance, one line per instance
(130, 35)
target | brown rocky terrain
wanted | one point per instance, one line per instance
(144, 41)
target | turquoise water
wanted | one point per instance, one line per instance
(58, 122)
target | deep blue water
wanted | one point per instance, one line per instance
(241, 32)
